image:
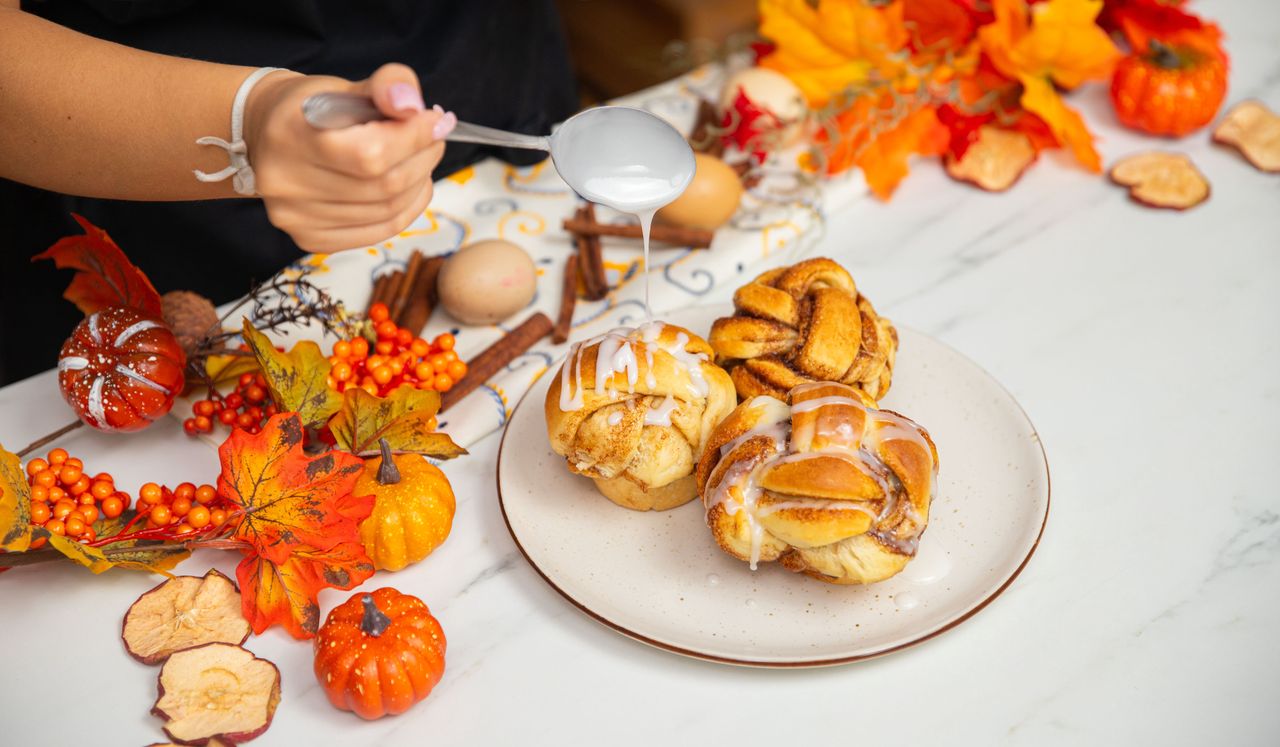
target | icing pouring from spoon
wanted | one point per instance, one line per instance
(619, 156)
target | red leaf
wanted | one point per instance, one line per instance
(300, 520)
(106, 277)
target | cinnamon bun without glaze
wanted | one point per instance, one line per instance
(801, 324)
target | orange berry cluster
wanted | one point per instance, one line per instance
(67, 501)
(186, 508)
(246, 408)
(398, 358)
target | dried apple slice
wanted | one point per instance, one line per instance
(1162, 180)
(183, 612)
(217, 691)
(1254, 130)
(995, 160)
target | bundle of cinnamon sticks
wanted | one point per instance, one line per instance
(410, 294)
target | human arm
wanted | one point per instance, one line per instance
(84, 116)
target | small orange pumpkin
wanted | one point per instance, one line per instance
(379, 653)
(412, 512)
(1169, 89)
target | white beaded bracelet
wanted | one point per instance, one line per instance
(236, 150)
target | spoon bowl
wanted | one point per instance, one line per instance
(623, 157)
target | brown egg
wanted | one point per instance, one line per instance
(711, 199)
(486, 282)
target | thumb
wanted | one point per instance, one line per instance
(395, 91)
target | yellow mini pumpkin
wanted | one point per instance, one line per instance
(413, 509)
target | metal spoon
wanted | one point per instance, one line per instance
(619, 156)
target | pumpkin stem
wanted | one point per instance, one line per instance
(388, 472)
(375, 621)
(1163, 55)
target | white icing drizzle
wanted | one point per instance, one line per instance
(124, 370)
(571, 402)
(73, 363)
(94, 400)
(858, 449)
(615, 417)
(660, 414)
(134, 329)
(617, 352)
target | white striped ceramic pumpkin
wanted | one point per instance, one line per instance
(121, 370)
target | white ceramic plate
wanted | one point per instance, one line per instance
(661, 579)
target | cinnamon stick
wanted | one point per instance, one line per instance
(702, 137)
(496, 357)
(400, 300)
(746, 173)
(379, 291)
(590, 256)
(568, 299)
(422, 296)
(667, 234)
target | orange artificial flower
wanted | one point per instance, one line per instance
(1054, 42)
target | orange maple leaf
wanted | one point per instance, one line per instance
(300, 520)
(878, 139)
(1052, 42)
(106, 277)
(828, 48)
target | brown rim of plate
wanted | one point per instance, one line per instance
(807, 664)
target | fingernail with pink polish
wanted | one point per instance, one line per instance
(405, 98)
(445, 126)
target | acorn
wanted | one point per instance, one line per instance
(191, 316)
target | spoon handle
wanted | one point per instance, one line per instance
(336, 111)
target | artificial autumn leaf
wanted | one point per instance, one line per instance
(827, 49)
(226, 368)
(298, 379)
(937, 23)
(884, 160)
(299, 519)
(89, 557)
(130, 554)
(1057, 42)
(403, 418)
(106, 277)
(1141, 21)
(965, 128)
(15, 504)
(1068, 127)
(873, 135)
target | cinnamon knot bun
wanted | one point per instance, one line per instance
(632, 409)
(804, 323)
(824, 483)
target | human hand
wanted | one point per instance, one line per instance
(339, 189)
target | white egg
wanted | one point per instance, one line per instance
(486, 282)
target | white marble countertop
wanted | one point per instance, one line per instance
(1142, 343)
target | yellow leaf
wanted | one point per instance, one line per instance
(89, 557)
(1066, 43)
(298, 379)
(403, 419)
(224, 369)
(1059, 40)
(833, 47)
(15, 504)
(1040, 98)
